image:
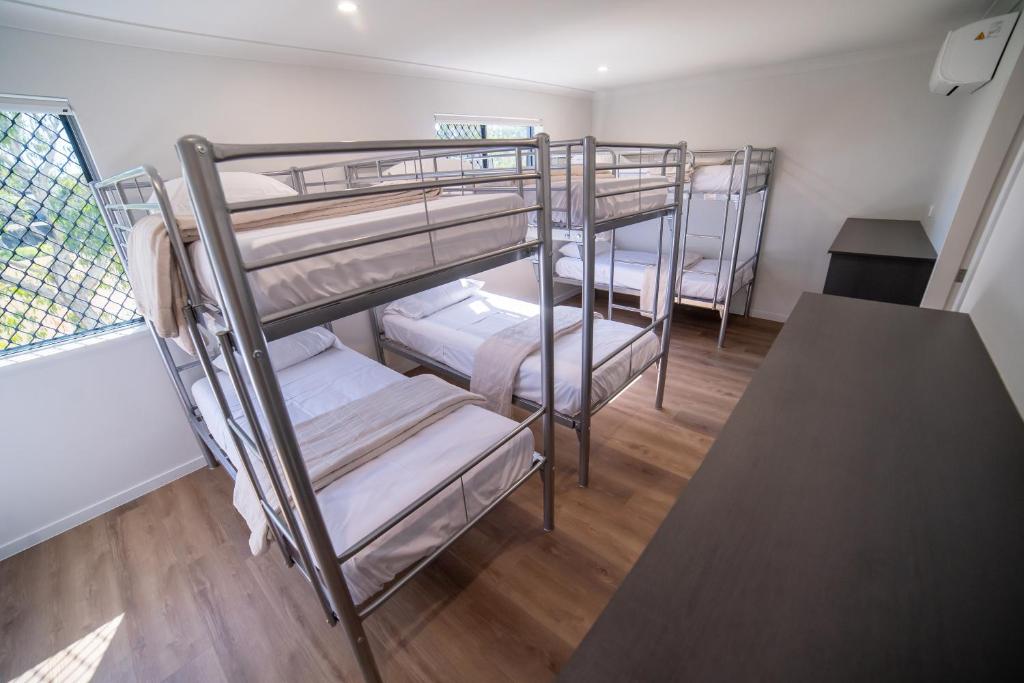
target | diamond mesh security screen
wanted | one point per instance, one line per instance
(459, 131)
(479, 131)
(59, 274)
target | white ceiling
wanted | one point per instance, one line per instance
(552, 42)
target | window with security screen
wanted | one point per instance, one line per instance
(449, 127)
(59, 274)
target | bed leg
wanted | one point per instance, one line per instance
(378, 347)
(722, 328)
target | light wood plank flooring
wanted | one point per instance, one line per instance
(164, 588)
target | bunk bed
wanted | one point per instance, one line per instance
(708, 276)
(445, 338)
(276, 389)
(597, 188)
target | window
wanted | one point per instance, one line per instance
(59, 274)
(461, 127)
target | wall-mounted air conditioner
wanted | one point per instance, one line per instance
(969, 57)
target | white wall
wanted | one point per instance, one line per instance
(858, 135)
(978, 148)
(994, 294)
(88, 428)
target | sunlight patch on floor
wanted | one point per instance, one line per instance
(78, 662)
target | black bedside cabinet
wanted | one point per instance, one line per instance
(881, 260)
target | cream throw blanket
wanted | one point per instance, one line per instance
(497, 360)
(153, 272)
(337, 442)
(647, 302)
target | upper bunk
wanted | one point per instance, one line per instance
(317, 242)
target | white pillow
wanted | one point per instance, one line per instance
(239, 186)
(425, 303)
(293, 349)
(575, 249)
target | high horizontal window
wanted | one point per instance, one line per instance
(59, 274)
(459, 127)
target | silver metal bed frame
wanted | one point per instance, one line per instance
(755, 168)
(234, 325)
(642, 157)
(668, 156)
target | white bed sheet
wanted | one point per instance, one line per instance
(610, 207)
(292, 284)
(453, 334)
(715, 179)
(629, 267)
(698, 282)
(362, 500)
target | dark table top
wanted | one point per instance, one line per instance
(880, 237)
(860, 518)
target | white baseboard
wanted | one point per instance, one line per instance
(15, 546)
(768, 315)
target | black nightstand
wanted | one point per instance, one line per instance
(881, 260)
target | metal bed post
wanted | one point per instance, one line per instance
(586, 367)
(760, 229)
(679, 224)
(199, 167)
(740, 210)
(547, 347)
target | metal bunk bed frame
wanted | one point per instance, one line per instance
(238, 328)
(751, 182)
(675, 208)
(374, 170)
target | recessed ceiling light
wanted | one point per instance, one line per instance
(602, 69)
(348, 7)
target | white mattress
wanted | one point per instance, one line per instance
(629, 267)
(610, 207)
(698, 281)
(453, 334)
(715, 179)
(362, 500)
(284, 286)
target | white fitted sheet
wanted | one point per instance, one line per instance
(453, 334)
(698, 281)
(292, 284)
(365, 498)
(715, 179)
(610, 207)
(629, 267)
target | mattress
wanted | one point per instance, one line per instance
(365, 498)
(610, 207)
(721, 178)
(282, 287)
(453, 334)
(629, 268)
(698, 281)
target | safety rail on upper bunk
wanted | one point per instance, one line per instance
(241, 333)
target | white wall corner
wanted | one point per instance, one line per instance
(55, 528)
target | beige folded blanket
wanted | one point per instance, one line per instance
(497, 360)
(339, 441)
(153, 272)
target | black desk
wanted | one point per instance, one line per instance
(859, 519)
(881, 260)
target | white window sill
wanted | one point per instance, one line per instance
(58, 348)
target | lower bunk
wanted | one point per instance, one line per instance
(703, 282)
(317, 375)
(445, 329)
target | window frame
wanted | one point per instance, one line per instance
(61, 109)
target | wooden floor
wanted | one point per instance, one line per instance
(164, 588)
